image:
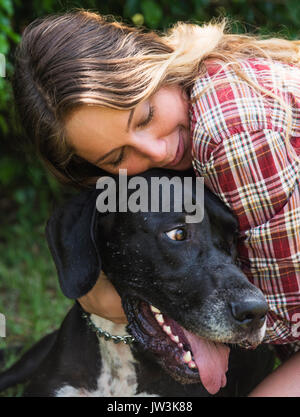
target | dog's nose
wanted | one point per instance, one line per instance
(249, 312)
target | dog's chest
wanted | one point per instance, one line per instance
(118, 376)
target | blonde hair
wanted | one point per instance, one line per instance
(193, 45)
(78, 58)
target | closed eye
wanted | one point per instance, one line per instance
(119, 160)
(149, 117)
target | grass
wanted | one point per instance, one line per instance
(30, 297)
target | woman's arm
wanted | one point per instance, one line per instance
(104, 301)
(283, 382)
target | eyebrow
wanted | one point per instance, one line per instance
(129, 119)
(102, 158)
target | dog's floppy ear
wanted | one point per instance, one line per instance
(219, 214)
(70, 233)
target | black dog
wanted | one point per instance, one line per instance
(185, 298)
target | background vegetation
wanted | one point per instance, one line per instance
(29, 294)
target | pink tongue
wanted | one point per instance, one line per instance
(212, 361)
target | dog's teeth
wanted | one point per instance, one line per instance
(159, 318)
(187, 357)
(192, 365)
(180, 345)
(175, 338)
(155, 310)
(167, 329)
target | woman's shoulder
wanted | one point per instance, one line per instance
(229, 99)
(256, 69)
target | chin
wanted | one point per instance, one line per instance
(183, 165)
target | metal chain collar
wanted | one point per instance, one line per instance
(127, 339)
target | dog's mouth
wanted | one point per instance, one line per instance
(187, 357)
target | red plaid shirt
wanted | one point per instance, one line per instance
(239, 147)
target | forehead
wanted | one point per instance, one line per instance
(150, 223)
(152, 220)
(91, 129)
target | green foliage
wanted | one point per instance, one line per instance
(29, 293)
(7, 37)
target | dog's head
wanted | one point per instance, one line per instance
(183, 294)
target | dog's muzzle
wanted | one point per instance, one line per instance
(187, 357)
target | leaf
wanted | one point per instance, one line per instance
(3, 127)
(7, 6)
(293, 8)
(131, 8)
(4, 20)
(138, 19)
(4, 45)
(152, 13)
(201, 3)
(9, 170)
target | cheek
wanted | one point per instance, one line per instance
(185, 112)
(173, 108)
(178, 113)
(171, 118)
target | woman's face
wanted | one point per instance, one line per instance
(154, 134)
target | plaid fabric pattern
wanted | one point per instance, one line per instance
(240, 148)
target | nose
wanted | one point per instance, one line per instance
(153, 148)
(250, 312)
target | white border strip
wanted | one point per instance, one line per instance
(2, 325)
(2, 65)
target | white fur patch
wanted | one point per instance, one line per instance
(262, 331)
(118, 377)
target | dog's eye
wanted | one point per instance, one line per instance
(177, 234)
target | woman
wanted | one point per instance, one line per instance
(95, 96)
